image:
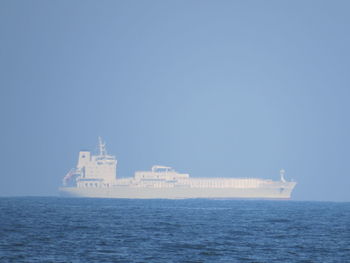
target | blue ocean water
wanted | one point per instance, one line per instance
(48, 229)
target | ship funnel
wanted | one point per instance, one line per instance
(282, 172)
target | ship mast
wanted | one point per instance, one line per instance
(102, 147)
(282, 172)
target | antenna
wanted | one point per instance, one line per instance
(282, 172)
(102, 146)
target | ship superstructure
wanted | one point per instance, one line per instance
(95, 176)
(93, 170)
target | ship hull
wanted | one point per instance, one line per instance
(178, 192)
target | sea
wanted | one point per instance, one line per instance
(53, 229)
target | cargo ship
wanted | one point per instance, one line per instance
(95, 176)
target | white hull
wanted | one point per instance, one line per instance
(95, 176)
(178, 192)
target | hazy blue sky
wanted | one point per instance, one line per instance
(212, 88)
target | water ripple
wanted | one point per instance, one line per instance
(103, 230)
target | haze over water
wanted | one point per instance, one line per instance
(213, 89)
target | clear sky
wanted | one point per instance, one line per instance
(212, 88)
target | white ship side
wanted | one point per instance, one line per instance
(95, 176)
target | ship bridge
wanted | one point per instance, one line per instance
(94, 170)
